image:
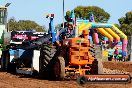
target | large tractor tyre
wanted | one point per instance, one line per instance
(12, 68)
(97, 67)
(5, 60)
(2, 62)
(94, 67)
(47, 53)
(59, 68)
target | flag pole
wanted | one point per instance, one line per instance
(63, 14)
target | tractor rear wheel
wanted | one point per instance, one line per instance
(47, 53)
(12, 68)
(59, 68)
(5, 60)
(97, 67)
(94, 67)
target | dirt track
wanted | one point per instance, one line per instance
(12, 81)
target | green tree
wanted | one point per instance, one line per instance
(117, 25)
(100, 14)
(24, 25)
(12, 24)
(58, 26)
(126, 23)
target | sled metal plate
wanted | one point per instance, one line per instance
(26, 71)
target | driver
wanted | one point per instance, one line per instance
(66, 32)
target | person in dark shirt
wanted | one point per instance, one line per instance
(116, 52)
(66, 32)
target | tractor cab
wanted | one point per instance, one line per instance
(3, 23)
(3, 15)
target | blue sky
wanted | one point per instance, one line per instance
(36, 10)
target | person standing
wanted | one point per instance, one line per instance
(116, 52)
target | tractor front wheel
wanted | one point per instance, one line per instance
(59, 68)
(47, 54)
(5, 60)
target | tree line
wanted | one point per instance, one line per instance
(100, 15)
(25, 25)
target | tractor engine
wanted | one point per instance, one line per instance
(79, 51)
(79, 58)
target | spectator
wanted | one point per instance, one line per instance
(124, 56)
(116, 52)
(119, 57)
